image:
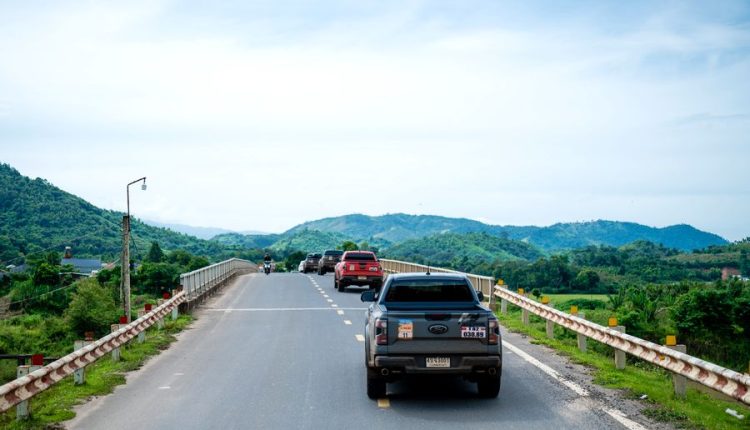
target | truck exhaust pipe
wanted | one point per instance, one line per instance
(385, 372)
(492, 371)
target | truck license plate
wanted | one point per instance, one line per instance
(362, 278)
(437, 362)
(473, 332)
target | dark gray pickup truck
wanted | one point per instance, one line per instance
(431, 324)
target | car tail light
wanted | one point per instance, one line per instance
(381, 331)
(494, 332)
(374, 268)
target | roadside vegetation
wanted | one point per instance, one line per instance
(56, 404)
(46, 309)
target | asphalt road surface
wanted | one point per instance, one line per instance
(285, 351)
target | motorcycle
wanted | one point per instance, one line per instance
(267, 267)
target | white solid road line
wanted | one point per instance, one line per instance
(614, 413)
(548, 370)
(622, 419)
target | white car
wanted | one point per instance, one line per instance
(301, 266)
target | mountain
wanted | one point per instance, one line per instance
(558, 237)
(308, 241)
(249, 241)
(36, 216)
(205, 233)
(564, 236)
(457, 250)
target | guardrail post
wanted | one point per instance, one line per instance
(23, 409)
(619, 355)
(79, 375)
(115, 351)
(175, 311)
(678, 381)
(142, 333)
(160, 321)
(549, 326)
(580, 337)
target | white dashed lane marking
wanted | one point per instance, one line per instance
(347, 322)
(340, 312)
(359, 337)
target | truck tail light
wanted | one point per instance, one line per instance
(494, 332)
(381, 331)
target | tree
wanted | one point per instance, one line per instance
(587, 280)
(348, 245)
(155, 278)
(155, 254)
(744, 265)
(46, 274)
(92, 308)
(197, 262)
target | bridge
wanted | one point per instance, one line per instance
(286, 351)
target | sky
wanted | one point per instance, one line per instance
(262, 115)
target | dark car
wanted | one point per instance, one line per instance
(329, 260)
(311, 262)
(430, 324)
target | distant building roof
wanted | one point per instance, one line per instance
(83, 265)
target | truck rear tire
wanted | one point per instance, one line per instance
(376, 387)
(489, 387)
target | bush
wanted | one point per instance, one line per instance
(91, 309)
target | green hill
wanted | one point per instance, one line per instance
(563, 236)
(308, 241)
(249, 241)
(37, 216)
(462, 250)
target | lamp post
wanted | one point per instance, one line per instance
(125, 274)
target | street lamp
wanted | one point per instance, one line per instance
(125, 273)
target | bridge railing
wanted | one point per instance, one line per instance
(727, 381)
(196, 284)
(480, 283)
(199, 283)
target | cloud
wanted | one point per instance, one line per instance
(534, 103)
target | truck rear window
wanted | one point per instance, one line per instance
(360, 257)
(429, 291)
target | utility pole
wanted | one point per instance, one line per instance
(125, 274)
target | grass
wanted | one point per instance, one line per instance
(696, 411)
(562, 298)
(56, 404)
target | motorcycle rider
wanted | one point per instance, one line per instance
(267, 263)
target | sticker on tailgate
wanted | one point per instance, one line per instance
(405, 329)
(473, 331)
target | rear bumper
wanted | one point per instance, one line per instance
(375, 281)
(460, 365)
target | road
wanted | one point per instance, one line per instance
(285, 351)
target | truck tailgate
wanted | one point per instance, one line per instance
(439, 331)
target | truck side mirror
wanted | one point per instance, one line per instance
(480, 296)
(368, 296)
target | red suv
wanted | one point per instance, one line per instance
(358, 268)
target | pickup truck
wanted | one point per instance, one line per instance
(432, 324)
(358, 268)
(328, 262)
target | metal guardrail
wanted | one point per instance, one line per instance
(199, 282)
(480, 283)
(35, 382)
(727, 381)
(195, 285)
